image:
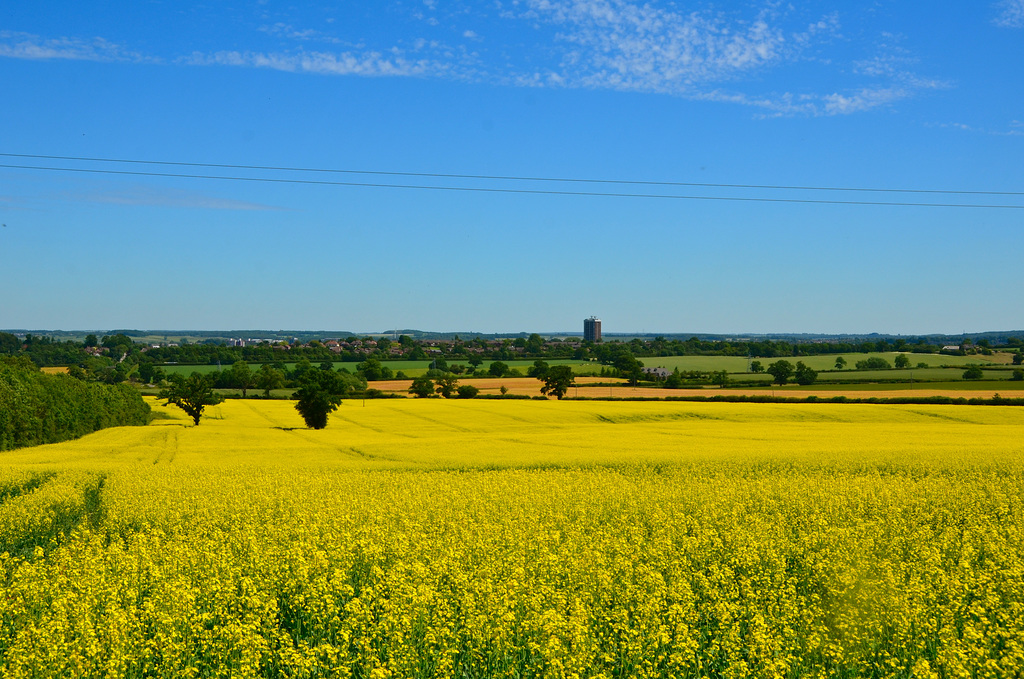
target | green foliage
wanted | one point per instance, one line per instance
(780, 371)
(755, 367)
(973, 373)
(191, 394)
(627, 364)
(468, 391)
(840, 363)
(9, 344)
(319, 396)
(874, 363)
(557, 381)
(1017, 376)
(804, 375)
(902, 361)
(539, 369)
(675, 380)
(269, 378)
(446, 385)
(422, 387)
(720, 377)
(498, 369)
(37, 408)
(1018, 358)
(373, 370)
(242, 376)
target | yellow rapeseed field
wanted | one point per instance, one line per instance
(432, 538)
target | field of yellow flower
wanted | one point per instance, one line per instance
(435, 538)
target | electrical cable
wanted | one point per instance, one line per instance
(438, 175)
(478, 189)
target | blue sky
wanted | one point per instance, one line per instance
(889, 95)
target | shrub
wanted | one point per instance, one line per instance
(973, 373)
(37, 408)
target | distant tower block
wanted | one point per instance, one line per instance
(592, 329)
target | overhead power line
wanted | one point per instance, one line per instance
(485, 189)
(439, 175)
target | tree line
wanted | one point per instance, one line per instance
(36, 408)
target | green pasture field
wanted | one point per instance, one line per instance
(958, 385)
(738, 364)
(735, 365)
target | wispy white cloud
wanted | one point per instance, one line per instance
(15, 45)
(291, 33)
(619, 44)
(1014, 129)
(624, 45)
(1011, 13)
(345, 63)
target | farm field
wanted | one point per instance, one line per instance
(620, 388)
(738, 364)
(433, 538)
(735, 365)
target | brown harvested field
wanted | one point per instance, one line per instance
(1001, 357)
(529, 386)
(54, 371)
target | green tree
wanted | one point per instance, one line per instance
(534, 344)
(780, 371)
(873, 363)
(755, 367)
(1018, 358)
(319, 396)
(242, 377)
(675, 380)
(901, 361)
(268, 378)
(628, 366)
(301, 368)
(467, 391)
(840, 363)
(804, 375)
(146, 372)
(498, 369)
(973, 373)
(557, 381)
(446, 384)
(720, 377)
(191, 394)
(422, 387)
(373, 370)
(1017, 376)
(539, 369)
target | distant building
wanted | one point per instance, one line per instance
(592, 329)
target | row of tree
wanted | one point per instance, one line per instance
(120, 349)
(36, 408)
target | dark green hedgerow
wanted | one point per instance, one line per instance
(36, 408)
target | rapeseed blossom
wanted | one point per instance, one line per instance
(513, 539)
